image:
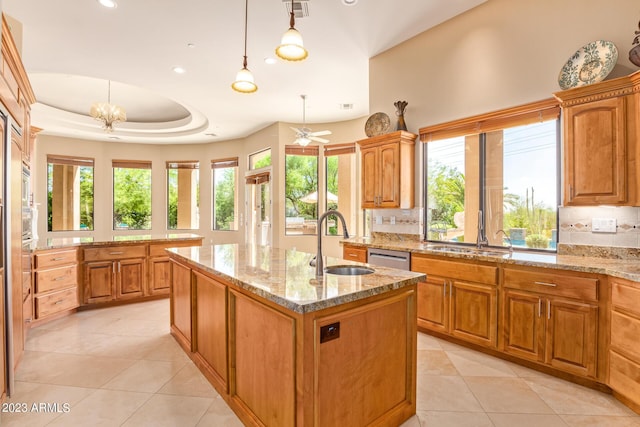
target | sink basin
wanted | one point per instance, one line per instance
(348, 270)
(471, 251)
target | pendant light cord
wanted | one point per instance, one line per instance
(292, 19)
(246, 14)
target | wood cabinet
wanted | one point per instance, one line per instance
(114, 273)
(458, 298)
(160, 268)
(354, 253)
(181, 303)
(387, 170)
(551, 318)
(55, 282)
(624, 351)
(601, 132)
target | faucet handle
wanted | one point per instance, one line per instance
(312, 263)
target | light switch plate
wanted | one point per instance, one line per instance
(392, 220)
(603, 225)
(378, 219)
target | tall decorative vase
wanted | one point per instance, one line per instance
(634, 53)
(400, 106)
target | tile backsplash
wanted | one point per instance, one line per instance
(576, 226)
(400, 221)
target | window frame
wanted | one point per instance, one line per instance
(308, 151)
(225, 163)
(177, 165)
(131, 164)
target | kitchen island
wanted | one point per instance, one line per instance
(284, 348)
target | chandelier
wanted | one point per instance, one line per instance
(108, 113)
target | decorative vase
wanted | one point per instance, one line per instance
(400, 106)
(634, 53)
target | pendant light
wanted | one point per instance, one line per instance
(108, 113)
(244, 79)
(291, 47)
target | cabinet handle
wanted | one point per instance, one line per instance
(539, 307)
(58, 302)
(548, 309)
(545, 284)
(60, 258)
(58, 278)
(353, 255)
(116, 253)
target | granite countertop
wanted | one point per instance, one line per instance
(64, 242)
(583, 261)
(285, 277)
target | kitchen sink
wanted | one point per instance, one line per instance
(348, 270)
(470, 251)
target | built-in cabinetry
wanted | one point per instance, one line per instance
(624, 352)
(551, 318)
(55, 282)
(159, 267)
(601, 135)
(181, 301)
(387, 170)
(113, 273)
(354, 253)
(458, 298)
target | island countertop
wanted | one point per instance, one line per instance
(65, 242)
(284, 276)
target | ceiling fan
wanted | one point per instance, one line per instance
(303, 134)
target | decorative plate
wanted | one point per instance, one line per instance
(377, 124)
(590, 64)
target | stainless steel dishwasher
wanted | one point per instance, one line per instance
(388, 258)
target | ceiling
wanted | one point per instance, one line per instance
(72, 48)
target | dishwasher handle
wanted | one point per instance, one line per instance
(390, 257)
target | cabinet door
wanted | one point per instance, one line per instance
(433, 304)
(369, 174)
(210, 334)
(474, 315)
(99, 282)
(131, 275)
(595, 153)
(181, 304)
(159, 276)
(571, 336)
(389, 190)
(524, 325)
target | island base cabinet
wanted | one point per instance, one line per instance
(181, 304)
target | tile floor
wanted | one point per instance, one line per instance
(120, 367)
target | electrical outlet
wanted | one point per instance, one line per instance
(378, 219)
(603, 225)
(392, 220)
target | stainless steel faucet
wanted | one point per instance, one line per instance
(508, 239)
(318, 259)
(481, 239)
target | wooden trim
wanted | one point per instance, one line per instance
(338, 149)
(26, 91)
(258, 178)
(183, 164)
(229, 162)
(131, 164)
(301, 151)
(70, 160)
(540, 111)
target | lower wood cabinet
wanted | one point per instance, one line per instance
(458, 298)
(55, 282)
(542, 325)
(181, 301)
(354, 253)
(160, 268)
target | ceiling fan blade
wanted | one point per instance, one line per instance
(315, 138)
(296, 130)
(320, 133)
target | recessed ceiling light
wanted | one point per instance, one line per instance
(269, 60)
(211, 134)
(349, 2)
(191, 45)
(179, 70)
(346, 106)
(114, 137)
(111, 4)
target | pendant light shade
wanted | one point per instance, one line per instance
(291, 46)
(244, 82)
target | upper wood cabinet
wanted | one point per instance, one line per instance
(387, 170)
(600, 143)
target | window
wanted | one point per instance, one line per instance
(225, 190)
(340, 185)
(261, 159)
(183, 195)
(499, 171)
(69, 193)
(301, 189)
(131, 195)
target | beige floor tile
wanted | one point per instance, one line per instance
(171, 411)
(509, 395)
(434, 362)
(427, 342)
(472, 363)
(572, 399)
(451, 419)
(527, 420)
(70, 369)
(597, 421)
(168, 350)
(102, 408)
(135, 327)
(220, 415)
(189, 381)
(27, 394)
(145, 376)
(449, 393)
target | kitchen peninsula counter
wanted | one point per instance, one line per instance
(79, 241)
(284, 348)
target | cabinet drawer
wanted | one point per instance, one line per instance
(115, 252)
(56, 278)
(158, 249)
(624, 376)
(625, 331)
(55, 258)
(626, 297)
(455, 270)
(353, 253)
(56, 302)
(552, 283)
